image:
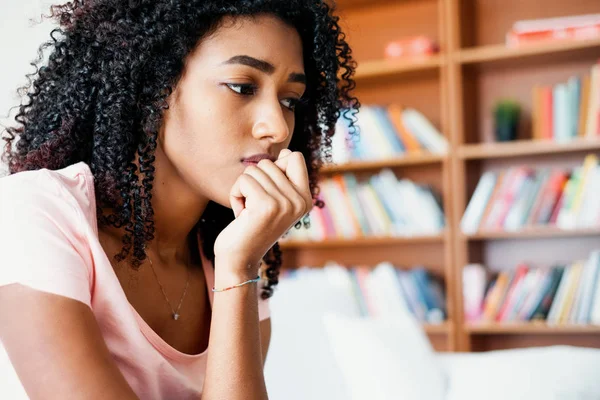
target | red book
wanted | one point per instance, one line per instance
(546, 114)
(522, 270)
(557, 207)
(511, 195)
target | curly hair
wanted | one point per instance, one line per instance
(101, 97)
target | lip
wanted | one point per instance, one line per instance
(254, 159)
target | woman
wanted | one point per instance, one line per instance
(164, 149)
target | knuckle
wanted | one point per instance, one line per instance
(287, 206)
(298, 205)
(270, 206)
(298, 154)
(308, 205)
(245, 178)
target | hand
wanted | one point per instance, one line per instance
(267, 200)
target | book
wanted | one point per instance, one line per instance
(556, 294)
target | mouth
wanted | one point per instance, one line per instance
(255, 159)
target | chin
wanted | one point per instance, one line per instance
(221, 199)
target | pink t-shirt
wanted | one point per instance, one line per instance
(49, 241)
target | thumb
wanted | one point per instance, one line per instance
(282, 160)
(236, 199)
(296, 172)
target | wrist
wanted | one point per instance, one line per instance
(230, 271)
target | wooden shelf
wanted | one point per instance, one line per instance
(533, 233)
(529, 328)
(376, 68)
(362, 242)
(406, 160)
(525, 148)
(442, 328)
(501, 52)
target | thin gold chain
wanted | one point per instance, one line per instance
(175, 312)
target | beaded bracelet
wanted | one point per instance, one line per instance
(236, 286)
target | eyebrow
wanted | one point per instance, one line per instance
(263, 66)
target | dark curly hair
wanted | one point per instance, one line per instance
(101, 96)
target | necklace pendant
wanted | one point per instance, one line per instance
(175, 316)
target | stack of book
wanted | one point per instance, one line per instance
(521, 197)
(381, 205)
(575, 27)
(561, 294)
(568, 110)
(386, 289)
(386, 132)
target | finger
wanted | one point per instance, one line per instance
(294, 167)
(284, 153)
(280, 159)
(236, 199)
(244, 190)
(284, 185)
(264, 178)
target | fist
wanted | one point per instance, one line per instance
(267, 200)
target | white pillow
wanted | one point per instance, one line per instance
(300, 363)
(384, 359)
(542, 373)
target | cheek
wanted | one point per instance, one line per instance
(208, 125)
(205, 139)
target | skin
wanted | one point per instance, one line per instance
(215, 119)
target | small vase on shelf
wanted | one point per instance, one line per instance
(506, 120)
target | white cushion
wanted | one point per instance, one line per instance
(300, 363)
(542, 373)
(383, 359)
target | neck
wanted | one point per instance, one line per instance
(177, 209)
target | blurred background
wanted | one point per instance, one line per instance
(457, 256)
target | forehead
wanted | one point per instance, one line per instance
(264, 37)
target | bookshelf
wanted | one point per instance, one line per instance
(492, 53)
(518, 148)
(379, 68)
(456, 90)
(541, 329)
(481, 69)
(409, 159)
(532, 233)
(369, 25)
(363, 242)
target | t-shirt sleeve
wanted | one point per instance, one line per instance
(41, 244)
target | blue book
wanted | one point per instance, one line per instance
(388, 129)
(574, 85)
(421, 279)
(560, 113)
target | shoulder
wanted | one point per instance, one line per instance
(44, 232)
(68, 191)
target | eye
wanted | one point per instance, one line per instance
(243, 88)
(290, 103)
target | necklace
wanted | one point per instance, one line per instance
(175, 313)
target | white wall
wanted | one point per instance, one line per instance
(21, 33)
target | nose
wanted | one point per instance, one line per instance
(270, 123)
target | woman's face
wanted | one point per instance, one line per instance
(234, 100)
